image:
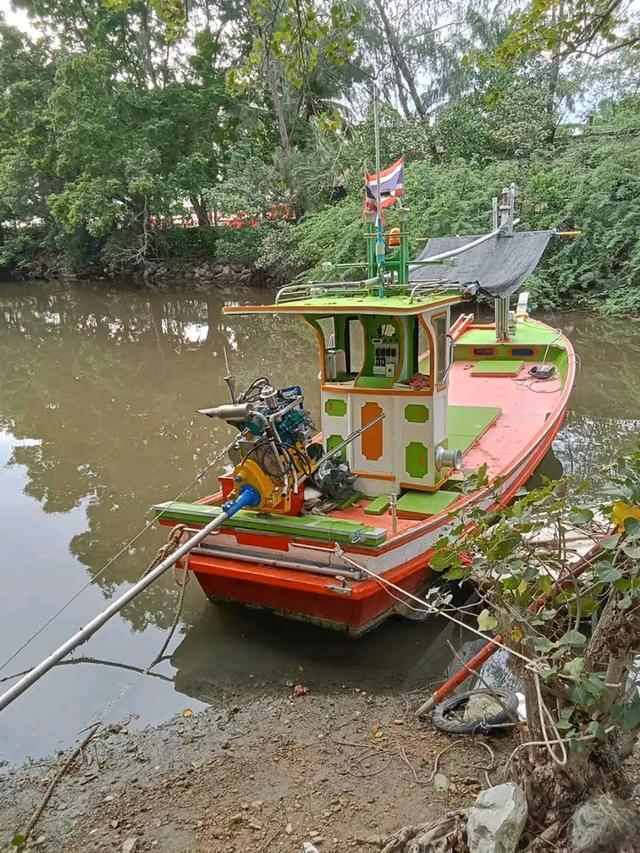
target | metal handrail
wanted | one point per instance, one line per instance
(290, 292)
(300, 291)
(434, 284)
(451, 253)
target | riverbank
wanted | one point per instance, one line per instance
(174, 273)
(341, 771)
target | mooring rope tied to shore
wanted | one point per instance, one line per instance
(425, 606)
(112, 560)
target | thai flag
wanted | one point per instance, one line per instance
(391, 186)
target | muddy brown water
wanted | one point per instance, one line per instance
(98, 391)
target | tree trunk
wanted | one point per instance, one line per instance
(201, 211)
(276, 101)
(402, 95)
(398, 55)
(554, 74)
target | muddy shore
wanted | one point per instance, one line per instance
(341, 771)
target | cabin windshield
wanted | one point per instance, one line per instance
(368, 350)
(342, 341)
(442, 347)
(424, 352)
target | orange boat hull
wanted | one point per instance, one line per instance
(303, 595)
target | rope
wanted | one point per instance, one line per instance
(164, 551)
(185, 580)
(388, 585)
(109, 562)
(35, 817)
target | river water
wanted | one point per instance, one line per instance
(98, 392)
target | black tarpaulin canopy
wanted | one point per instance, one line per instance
(500, 265)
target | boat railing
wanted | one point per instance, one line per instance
(307, 289)
(293, 292)
(431, 285)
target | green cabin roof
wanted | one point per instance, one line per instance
(360, 303)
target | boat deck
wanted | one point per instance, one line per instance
(525, 404)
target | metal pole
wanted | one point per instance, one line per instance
(451, 253)
(380, 246)
(507, 209)
(98, 621)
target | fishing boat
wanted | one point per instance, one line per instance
(413, 404)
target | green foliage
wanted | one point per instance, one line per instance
(544, 612)
(591, 27)
(123, 113)
(590, 184)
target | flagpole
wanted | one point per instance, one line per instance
(380, 247)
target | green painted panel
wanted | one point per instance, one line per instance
(336, 408)
(334, 441)
(461, 442)
(360, 304)
(494, 366)
(426, 503)
(470, 420)
(378, 505)
(415, 413)
(416, 460)
(307, 526)
(374, 382)
(351, 500)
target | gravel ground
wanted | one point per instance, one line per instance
(340, 771)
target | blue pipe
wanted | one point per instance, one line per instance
(247, 499)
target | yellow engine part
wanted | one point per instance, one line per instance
(622, 511)
(394, 238)
(301, 459)
(249, 473)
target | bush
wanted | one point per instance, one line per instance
(19, 247)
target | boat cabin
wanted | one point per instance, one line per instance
(382, 355)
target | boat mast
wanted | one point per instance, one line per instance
(380, 246)
(506, 212)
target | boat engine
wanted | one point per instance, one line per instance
(271, 452)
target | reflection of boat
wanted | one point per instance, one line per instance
(256, 653)
(412, 407)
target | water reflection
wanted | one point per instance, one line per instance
(604, 418)
(108, 383)
(97, 422)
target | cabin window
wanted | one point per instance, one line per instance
(343, 342)
(483, 351)
(354, 344)
(442, 348)
(328, 329)
(521, 351)
(424, 352)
